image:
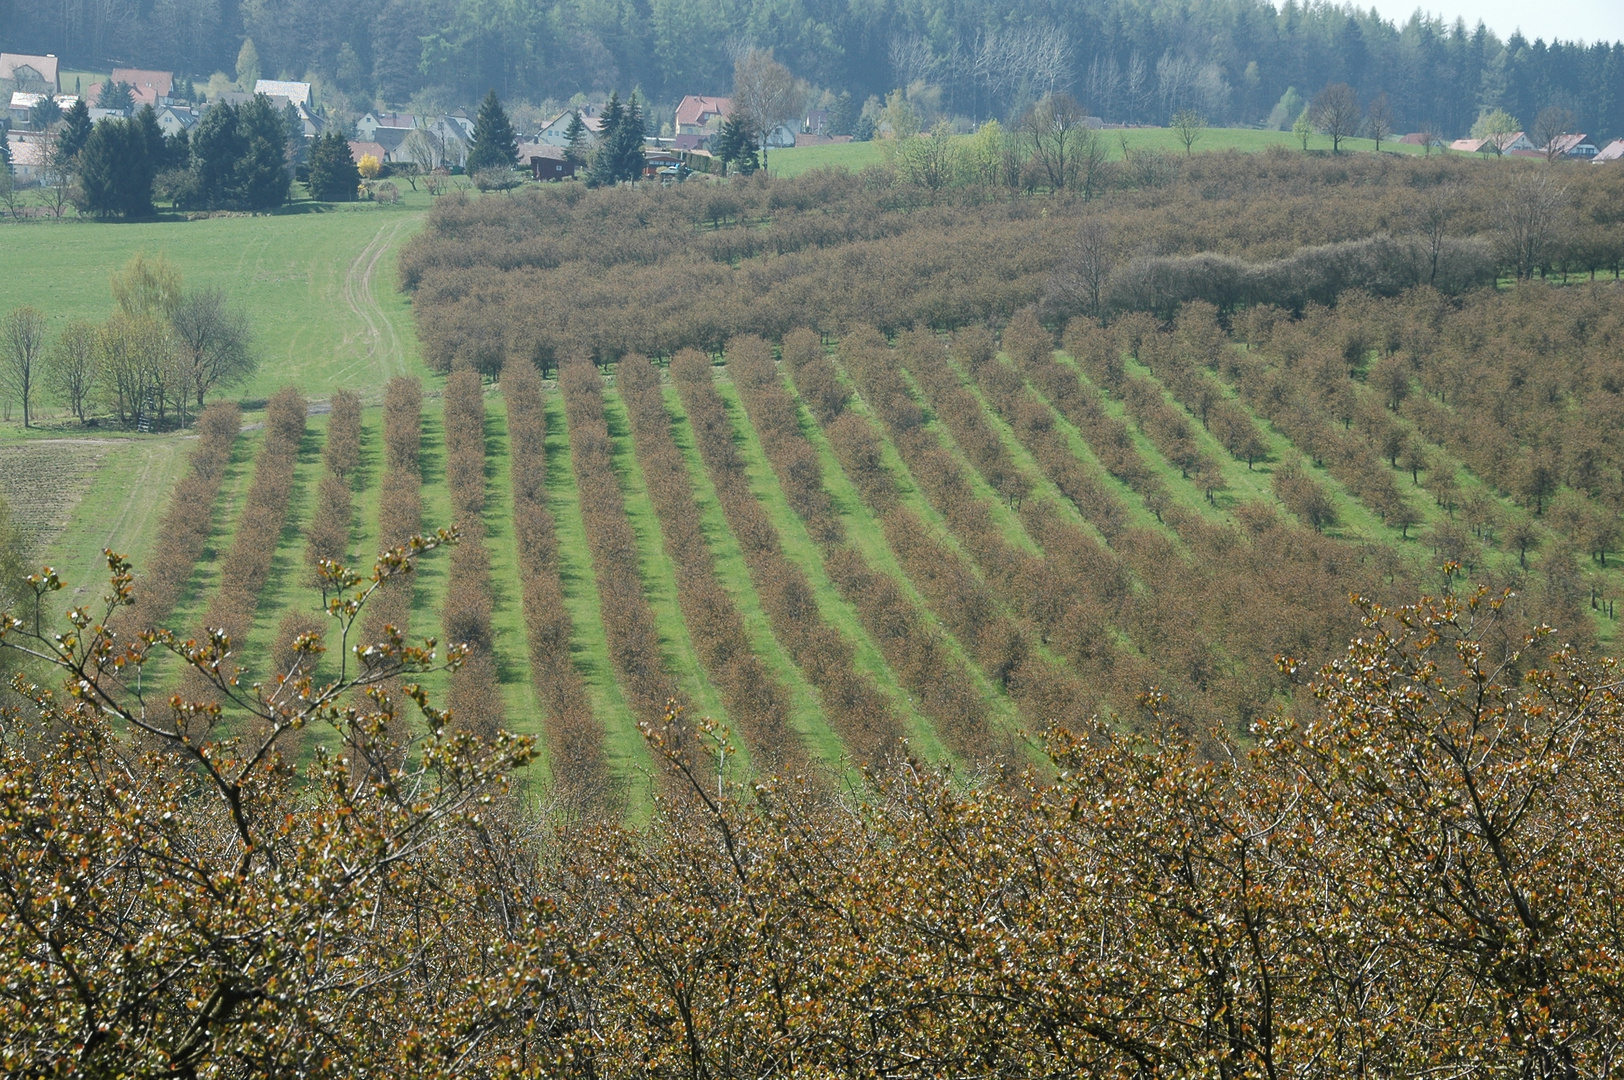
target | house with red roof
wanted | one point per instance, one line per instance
(698, 118)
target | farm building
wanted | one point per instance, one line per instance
(545, 162)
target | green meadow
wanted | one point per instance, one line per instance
(317, 281)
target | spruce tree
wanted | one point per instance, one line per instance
(629, 135)
(576, 144)
(116, 95)
(264, 169)
(604, 171)
(146, 121)
(115, 173)
(736, 144)
(217, 146)
(75, 130)
(333, 175)
(495, 144)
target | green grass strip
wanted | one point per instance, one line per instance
(658, 572)
(624, 751)
(120, 510)
(523, 710)
(802, 550)
(867, 536)
(1008, 522)
(805, 714)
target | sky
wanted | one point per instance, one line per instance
(1570, 20)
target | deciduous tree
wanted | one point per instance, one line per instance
(23, 342)
(1189, 125)
(214, 342)
(1335, 112)
(74, 362)
(766, 94)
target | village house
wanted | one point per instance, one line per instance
(22, 106)
(1516, 143)
(1613, 151)
(1577, 147)
(31, 74)
(698, 118)
(174, 119)
(360, 148)
(371, 123)
(296, 92)
(553, 133)
(30, 155)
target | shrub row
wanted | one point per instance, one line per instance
(400, 505)
(246, 567)
(958, 411)
(1223, 635)
(1073, 592)
(184, 531)
(913, 648)
(574, 738)
(628, 620)
(1110, 439)
(1177, 604)
(476, 693)
(328, 536)
(1099, 355)
(1382, 265)
(757, 702)
(1005, 649)
(855, 707)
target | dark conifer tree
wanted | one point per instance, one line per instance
(495, 145)
(75, 130)
(333, 175)
(239, 158)
(217, 146)
(116, 95)
(603, 169)
(577, 143)
(264, 171)
(178, 149)
(629, 135)
(736, 145)
(152, 136)
(115, 173)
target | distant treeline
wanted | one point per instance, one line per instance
(1133, 60)
(554, 273)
